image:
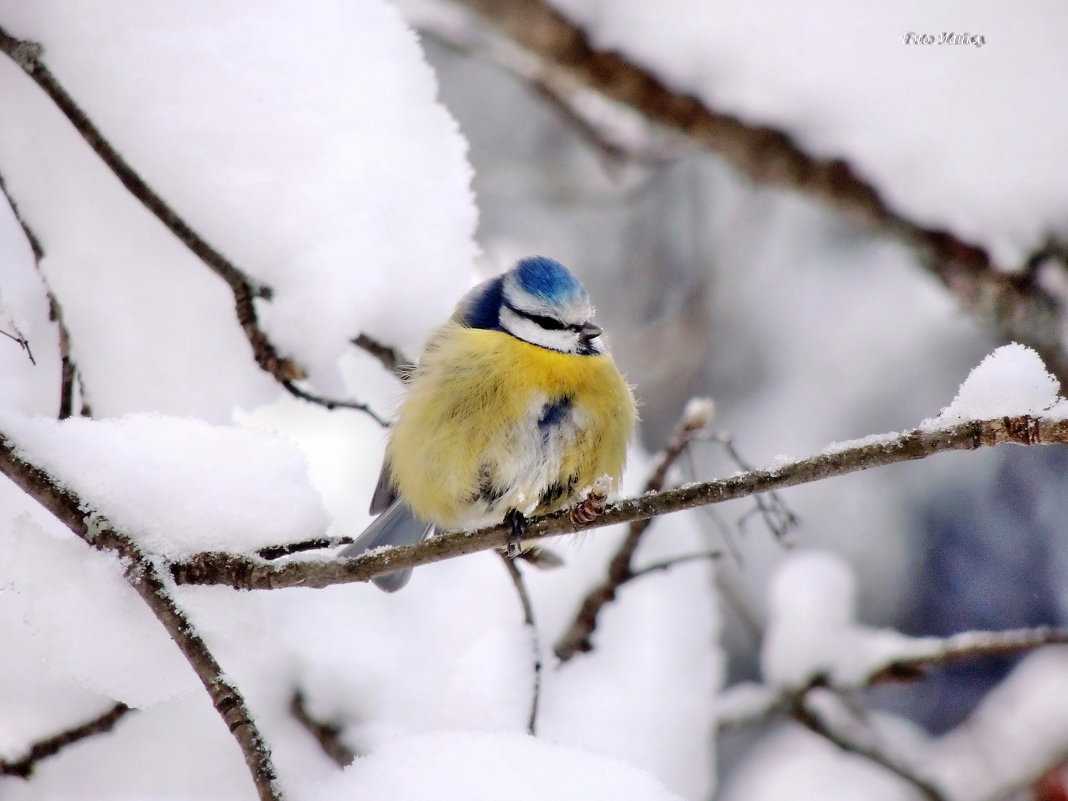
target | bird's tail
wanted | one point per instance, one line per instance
(395, 526)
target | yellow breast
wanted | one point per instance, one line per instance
(467, 444)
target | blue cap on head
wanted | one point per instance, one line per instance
(549, 279)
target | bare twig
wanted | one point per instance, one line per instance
(577, 638)
(857, 740)
(328, 735)
(31, 237)
(330, 404)
(50, 746)
(153, 585)
(68, 370)
(391, 358)
(528, 619)
(35, 246)
(244, 572)
(1018, 307)
(19, 338)
(667, 564)
(777, 516)
(28, 56)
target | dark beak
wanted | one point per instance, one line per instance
(589, 331)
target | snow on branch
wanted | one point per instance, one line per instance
(28, 56)
(150, 581)
(1018, 307)
(244, 572)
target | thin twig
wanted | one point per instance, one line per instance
(330, 404)
(1018, 306)
(328, 735)
(391, 358)
(68, 370)
(578, 636)
(50, 746)
(31, 237)
(244, 572)
(28, 56)
(535, 643)
(777, 516)
(35, 246)
(154, 587)
(20, 338)
(667, 564)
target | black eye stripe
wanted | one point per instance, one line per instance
(548, 323)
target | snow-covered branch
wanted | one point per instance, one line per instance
(1018, 308)
(823, 712)
(150, 581)
(28, 56)
(244, 572)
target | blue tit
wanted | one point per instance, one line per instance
(515, 408)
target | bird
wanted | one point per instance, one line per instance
(514, 408)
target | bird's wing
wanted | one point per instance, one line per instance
(396, 526)
(384, 495)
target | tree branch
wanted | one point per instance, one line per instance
(764, 701)
(577, 638)
(28, 56)
(153, 585)
(244, 572)
(605, 126)
(973, 645)
(50, 746)
(1017, 306)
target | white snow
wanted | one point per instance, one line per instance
(307, 147)
(471, 766)
(1013, 737)
(745, 702)
(938, 129)
(1010, 381)
(178, 486)
(796, 764)
(812, 632)
(82, 622)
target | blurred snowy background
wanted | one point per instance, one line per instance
(368, 162)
